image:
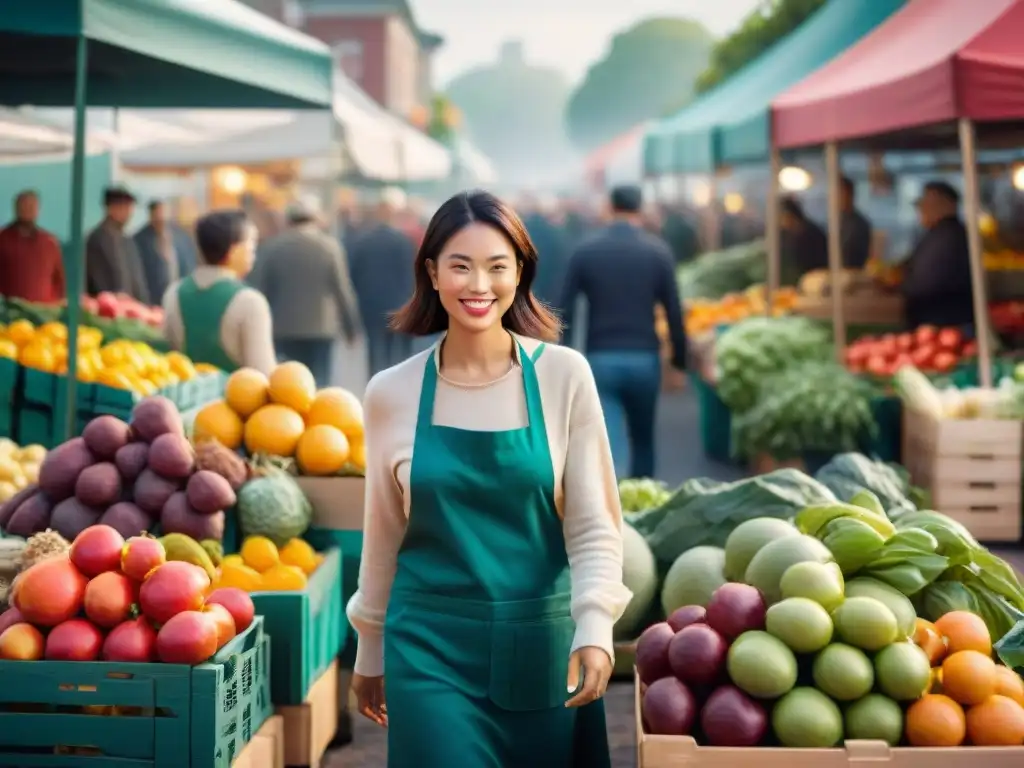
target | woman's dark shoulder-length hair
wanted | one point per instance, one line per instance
(423, 314)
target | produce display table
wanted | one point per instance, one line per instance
(858, 308)
(668, 751)
(82, 714)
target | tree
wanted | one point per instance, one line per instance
(513, 112)
(759, 31)
(648, 68)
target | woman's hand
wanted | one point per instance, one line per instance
(597, 671)
(370, 695)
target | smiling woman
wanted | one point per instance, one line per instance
(491, 574)
(476, 263)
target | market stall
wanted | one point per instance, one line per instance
(955, 89)
(693, 141)
(616, 162)
(818, 620)
(194, 671)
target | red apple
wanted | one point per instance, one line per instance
(238, 604)
(134, 641)
(74, 640)
(140, 556)
(189, 637)
(171, 589)
(97, 549)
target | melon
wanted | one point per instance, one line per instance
(748, 538)
(273, 506)
(766, 569)
(640, 575)
(693, 578)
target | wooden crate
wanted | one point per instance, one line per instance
(672, 751)
(309, 727)
(971, 468)
(266, 750)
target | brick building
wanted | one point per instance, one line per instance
(378, 44)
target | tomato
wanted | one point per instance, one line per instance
(858, 353)
(902, 360)
(922, 357)
(925, 334)
(887, 345)
(970, 349)
(950, 339)
(904, 342)
(944, 361)
(878, 366)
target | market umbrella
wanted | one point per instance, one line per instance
(182, 54)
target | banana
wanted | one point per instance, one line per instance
(185, 549)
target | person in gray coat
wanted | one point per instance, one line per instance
(111, 259)
(381, 257)
(166, 251)
(303, 274)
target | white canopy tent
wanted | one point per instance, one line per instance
(473, 166)
(26, 137)
(378, 144)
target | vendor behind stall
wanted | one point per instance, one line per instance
(804, 243)
(211, 315)
(937, 277)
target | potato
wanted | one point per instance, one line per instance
(127, 519)
(178, 516)
(8, 508)
(131, 460)
(105, 436)
(62, 466)
(99, 485)
(151, 491)
(208, 492)
(71, 517)
(155, 416)
(171, 456)
(31, 516)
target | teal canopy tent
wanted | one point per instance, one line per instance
(730, 124)
(182, 54)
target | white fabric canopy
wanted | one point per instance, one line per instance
(381, 145)
(473, 164)
(24, 137)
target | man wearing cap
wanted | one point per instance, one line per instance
(625, 272)
(111, 259)
(303, 274)
(382, 275)
(937, 276)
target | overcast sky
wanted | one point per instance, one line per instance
(567, 34)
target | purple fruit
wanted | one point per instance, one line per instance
(668, 708)
(730, 718)
(735, 609)
(652, 652)
(697, 654)
(687, 615)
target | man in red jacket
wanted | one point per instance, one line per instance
(30, 260)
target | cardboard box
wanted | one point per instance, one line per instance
(669, 751)
(309, 727)
(337, 501)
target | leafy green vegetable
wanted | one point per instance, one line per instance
(1010, 648)
(852, 542)
(938, 599)
(866, 499)
(713, 275)
(639, 494)
(812, 407)
(705, 512)
(811, 520)
(848, 474)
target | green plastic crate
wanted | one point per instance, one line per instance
(306, 627)
(715, 421)
(173, 716)
(351, 545)
(10, 381)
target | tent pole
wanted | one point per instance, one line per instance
(771, 215)
(972, 210)
(714, 221)
(835, 248)
(75, 258)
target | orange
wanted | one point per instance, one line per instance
(274, 430)
(300, 553)
(38, 356)
(246, 391)
(322, 450)
(928, 638)
(998, 721)
(968, 677)
(1009, 684)
(259, 553)
(219, 421)
(241, 576)
(965, 631)
(8, 349)
(357, 455)
(340, 409)
(293, 385)
(283, 578)
(935, 720)
(21, 332)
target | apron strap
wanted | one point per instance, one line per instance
(534, 408)
(428, 391)
(538, 352)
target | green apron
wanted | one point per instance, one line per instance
(202, 310)
(478, 631)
